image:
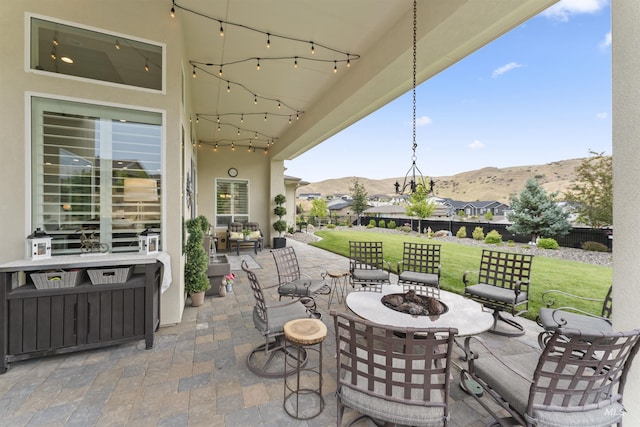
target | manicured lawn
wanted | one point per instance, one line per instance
(547, 273)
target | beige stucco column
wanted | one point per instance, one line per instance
(626, 175)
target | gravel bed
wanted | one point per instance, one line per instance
(571, 254)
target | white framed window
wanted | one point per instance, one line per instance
(232, 201)
(96, 169)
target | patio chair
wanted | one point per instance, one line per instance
(234, 232)
(502, 285)
(570, 317)
(267, 360)
(576, 380)
(255, 233)
(419, 269)
(291, 282)
(393, 375)
(366, 264)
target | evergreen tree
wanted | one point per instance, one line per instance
(537, 213)
(593, 191)
(359, 196)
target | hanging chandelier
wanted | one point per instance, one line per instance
(413, 178)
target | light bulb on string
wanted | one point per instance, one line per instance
(242, 118)
(215, 147)
(220, 71)
(258, 64)
(238, 131)
(197, 119)
(289, 119)
(295, 62)
(335, 67)
(255, 99)
(348, 61)
(194, 72)
(173, 10)
(233, 147)
(268, 40)
(228, 86)
(221, 30)
(265, 117)
(313, 49)
(117, 45)
(146, 65)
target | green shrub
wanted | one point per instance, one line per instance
(406, 228)
(372, 223)
(382, 223)
(594, 246)
(547, 243)
(478, 233)
(511, 243)
(368, 225)
(462, 232)
(493, 238)
(331, 226)
(392, 225)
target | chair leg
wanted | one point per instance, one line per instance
(263, 362)
(498, 317)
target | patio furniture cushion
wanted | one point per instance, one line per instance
(413, 276)
(496, 293)
(278, 314)
(370, 275)
(302, 287)
(550, 317)
(235, 235)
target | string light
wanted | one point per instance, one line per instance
(220, 72)
(228, 87)
(335, 67)
(117, 44)
(221, 30)
(268, 40)
(233, 147)
(313, 49)
(194, 72)
(258, 65)
(173, 9)
(295, 62)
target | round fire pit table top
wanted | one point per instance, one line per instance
(464, 314)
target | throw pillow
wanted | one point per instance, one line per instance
(235, 235)
(254, 235)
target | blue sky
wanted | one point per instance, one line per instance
(538, 94)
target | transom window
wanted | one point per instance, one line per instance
(69, 50)
(232, 201)
(95, 169)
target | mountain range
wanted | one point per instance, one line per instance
(488, 183)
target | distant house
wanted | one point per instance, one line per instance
(309, 196)
(478, 208)
(386, 211)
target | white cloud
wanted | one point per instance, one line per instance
(606, 42)
(476, 145)
(565, 8)
(602, 116)
(423, 121)
(501, 70)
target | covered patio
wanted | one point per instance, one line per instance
(196, 373)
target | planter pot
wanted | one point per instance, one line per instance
(279, 242)
(197, 299)
(229, 288)
(246, 237)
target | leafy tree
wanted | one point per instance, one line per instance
(593, 191)
(535, 212)
(359, 196)
(319, 208)
(418, 204)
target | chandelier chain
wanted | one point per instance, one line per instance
(415, 25)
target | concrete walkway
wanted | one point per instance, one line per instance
(196, 373)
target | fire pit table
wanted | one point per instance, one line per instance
(462, 313)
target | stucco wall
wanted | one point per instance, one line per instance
(16, 82)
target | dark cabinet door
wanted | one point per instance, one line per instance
(42, 323)
(115, 314)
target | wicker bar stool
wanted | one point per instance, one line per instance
(303, 396)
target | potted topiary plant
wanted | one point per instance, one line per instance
(280, 225)
(196, 281)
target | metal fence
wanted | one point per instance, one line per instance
(574, 239)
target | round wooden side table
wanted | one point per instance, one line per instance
(301, 400)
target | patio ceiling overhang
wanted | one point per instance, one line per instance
(290, 110)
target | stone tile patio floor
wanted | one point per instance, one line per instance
(195, 375)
